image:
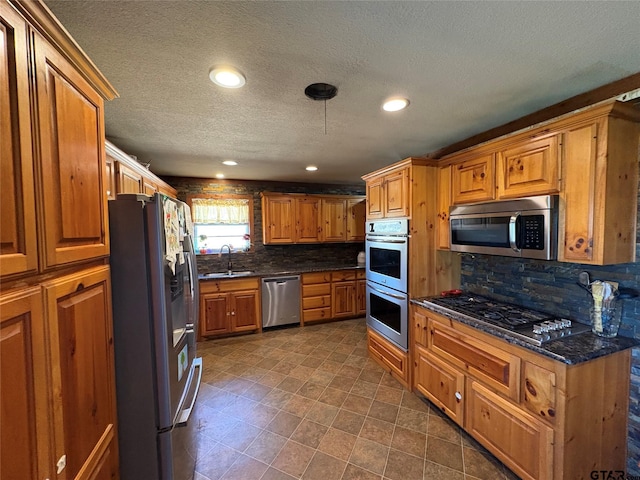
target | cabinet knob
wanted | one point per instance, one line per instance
(458, 396)
(233, 313)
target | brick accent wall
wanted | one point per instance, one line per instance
(271, 257)
(551, 287)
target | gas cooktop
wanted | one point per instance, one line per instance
(526, 324)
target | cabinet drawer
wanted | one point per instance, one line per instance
(539, 391)
(215, 286)
(395, 359)
(316, 314)
(316, 302)
(343, 275)
(495, 367)
(316, 277)
(360, 274)
(316, 290)
(524, 444)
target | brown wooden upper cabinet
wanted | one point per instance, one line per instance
(298, 218)
(529, 168)
(444, 202)
(388, 195)
(473, 179)
(126, 175)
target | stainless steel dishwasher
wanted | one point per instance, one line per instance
(280, 300)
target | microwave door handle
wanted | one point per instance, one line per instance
(513, 241)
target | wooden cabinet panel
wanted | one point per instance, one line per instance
(539, 391)
(25, 435)
(316, 277)
(110, 178)
(308, 223)
(317, 289)
(316, 314)
(316, 302)
(343, 299)
(361, 308)
(244, 311)
(356, 216)
(215, 314)
(149, 187)
(129, 181)
(18, 251)
(444, 202)
(334, 220)
(343, 275)
(79, 316)
(278, 223)
(74, 204)
(390, 357)
(522, 443)
(375, 198)
(473, 180)
(420, 328)
(440, 383)
(529, 168)
(396, 194)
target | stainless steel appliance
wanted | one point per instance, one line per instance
(155, 312)
(387, 250)
(523, 323)
(280, 300)
(524, 227)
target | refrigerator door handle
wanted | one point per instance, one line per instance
(183, 418)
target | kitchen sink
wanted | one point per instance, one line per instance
(233, 274)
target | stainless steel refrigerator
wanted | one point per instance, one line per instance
(155, 311)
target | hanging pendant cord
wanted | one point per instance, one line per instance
(325, 116)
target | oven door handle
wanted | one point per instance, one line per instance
(375, 240)
(393, 295)
(513, 221)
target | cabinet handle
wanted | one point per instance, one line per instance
(458, 396)
(233, 313)
(60, 464)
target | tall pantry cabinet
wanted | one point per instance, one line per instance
(57, 391)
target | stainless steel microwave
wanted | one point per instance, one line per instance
(523, 227)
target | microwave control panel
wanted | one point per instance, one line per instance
(533, 232)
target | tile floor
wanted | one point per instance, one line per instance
(308, 403)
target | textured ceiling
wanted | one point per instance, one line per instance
(465, 66)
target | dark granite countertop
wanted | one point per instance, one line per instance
(570, 350)
(270, 272)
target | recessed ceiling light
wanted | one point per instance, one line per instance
(311, 168)
(231, 163)
(227, 77)
(219, 175)
(395, 104)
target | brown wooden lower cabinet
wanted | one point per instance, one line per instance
(229, 306)
(333, 295)
(543, 418)
(390, 357)
(57, 379)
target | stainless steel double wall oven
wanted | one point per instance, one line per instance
(387, 250)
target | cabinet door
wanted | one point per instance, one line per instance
(215, 314)
(362, 297)
(78, 309)
(374, 199)
(530, 168)
(444, 202)
(277, 222)
(18, 253)
(440, 383)
(148, 187)
(25, 435)
(343, 301)
(74, 200)
(522, 443)
(244, 311)
(420, 328)
(129, 181)
(308, 225)
(396, 194)
(576, 232)
(473, 180)
(110, 178)
(356, 213)
(334, 220)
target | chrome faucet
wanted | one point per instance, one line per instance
(229, 265)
